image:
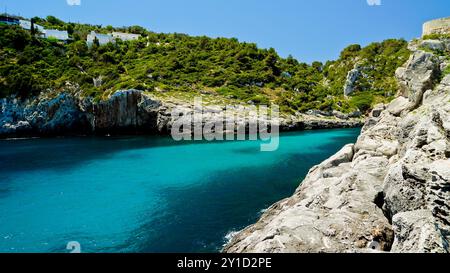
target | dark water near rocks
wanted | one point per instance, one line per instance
(146, 194)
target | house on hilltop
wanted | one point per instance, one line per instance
(25, 24)
(125, 36)
(103, 39)
(39, 28)
(61, 35)
(6, 19)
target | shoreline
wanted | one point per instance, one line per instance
(132, 112)
(156, 134)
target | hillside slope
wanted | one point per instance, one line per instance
(182, 66)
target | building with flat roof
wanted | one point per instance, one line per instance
(61, 35)
(39, 28)
(125, 36)
(25, 24)
(6, 19)
(103, 39)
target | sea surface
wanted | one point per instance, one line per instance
(147, 193)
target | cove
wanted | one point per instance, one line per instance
(146, 193)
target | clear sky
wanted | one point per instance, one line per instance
(307, 29)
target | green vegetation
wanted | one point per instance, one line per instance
(437, 52)
(446, 71)
(172, 63)
(436, 36)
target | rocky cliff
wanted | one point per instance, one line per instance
(68, 114)
(388, 192)
(129, 112)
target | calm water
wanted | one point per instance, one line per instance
(146, 194)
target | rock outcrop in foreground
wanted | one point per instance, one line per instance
(388, 192)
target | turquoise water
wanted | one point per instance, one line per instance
(146, 194)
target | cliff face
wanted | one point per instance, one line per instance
(125, 111)
(66, 114)
(388, 192)
(129, 112)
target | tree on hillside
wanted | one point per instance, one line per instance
(54, 21)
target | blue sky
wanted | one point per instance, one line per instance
(307, 29)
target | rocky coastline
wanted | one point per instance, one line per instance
(388, 192)
(129, 112)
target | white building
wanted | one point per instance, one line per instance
(103, 39)
(56, 34)
(125, 36)
(25, 24)
(39, 28)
